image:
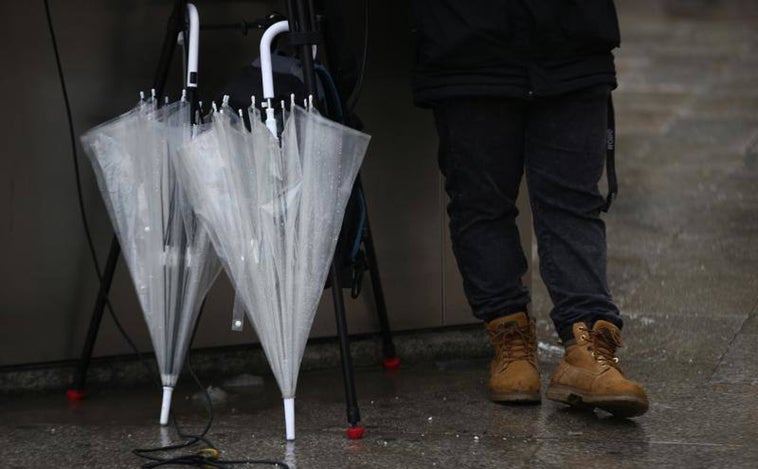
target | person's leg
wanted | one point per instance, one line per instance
(565, 159)
(481, 157)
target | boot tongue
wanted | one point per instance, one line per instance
(609, 332)
(513, 337)
(512, 320)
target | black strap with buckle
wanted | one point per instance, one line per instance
(610, 157)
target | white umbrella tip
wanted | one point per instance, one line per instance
(166, 404)
(289, 417)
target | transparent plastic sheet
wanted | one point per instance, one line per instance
(169, 255)
(274, 214)
(202, 160)
(238, 314)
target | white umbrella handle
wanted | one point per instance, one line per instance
(193, 48)
(267, 72)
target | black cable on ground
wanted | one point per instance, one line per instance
(155, 461)
(206, 456)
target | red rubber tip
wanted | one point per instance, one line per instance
(75, 395)
(355, 433)
(391, 363)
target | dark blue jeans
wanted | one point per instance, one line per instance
(485, 145)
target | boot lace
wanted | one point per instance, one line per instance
(603, 344)
(513, 343)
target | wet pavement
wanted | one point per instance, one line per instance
(683, 265)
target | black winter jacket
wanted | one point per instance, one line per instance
(511, 48)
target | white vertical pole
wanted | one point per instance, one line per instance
(289, 417)
(166, 404)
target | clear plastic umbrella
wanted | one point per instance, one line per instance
(169, 256)
(274, 213)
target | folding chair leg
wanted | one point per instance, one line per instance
(353, 413)
(391, 360)
(76, 391)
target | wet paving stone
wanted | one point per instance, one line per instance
(738, 365)
(419, 417)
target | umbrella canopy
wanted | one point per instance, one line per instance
(274, 213)
(169, 256)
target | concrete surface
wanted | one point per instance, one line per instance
(683, 265)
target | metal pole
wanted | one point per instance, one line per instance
(353, 414)
(174, 26)
(299, 18)
(77, 391)
(391, 360)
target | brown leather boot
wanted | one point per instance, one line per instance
(514, 372)
(589, 374)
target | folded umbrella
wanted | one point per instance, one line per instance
(274, 210)
(168, 254)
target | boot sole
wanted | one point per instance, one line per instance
(621, 405)
(519, 397)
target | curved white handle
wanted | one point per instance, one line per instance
(193, 50)
(267, 74)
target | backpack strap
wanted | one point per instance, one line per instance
(610, 157)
